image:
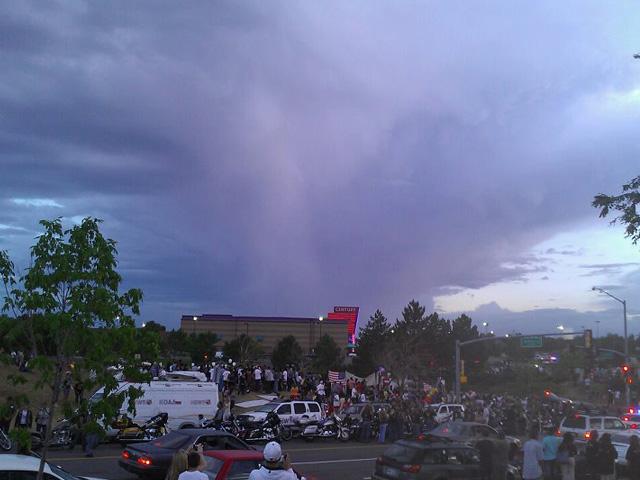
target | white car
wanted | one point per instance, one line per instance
(582, 425)
(24, 467)
(290, 413)
(444, 411)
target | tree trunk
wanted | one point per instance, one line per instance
(53, 402)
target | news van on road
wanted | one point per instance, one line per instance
(183, 401)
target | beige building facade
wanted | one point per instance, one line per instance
(268, 331)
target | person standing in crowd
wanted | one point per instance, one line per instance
(633, 458)
(532, 458)
(606, 459)
(591, 452)
(257, 378)
(566, 457)
(42, 419)
(276, 466)
(24, 419)
(179, 464)
(550, 444)
(194, 463)
(485, 449)
(268, 380)
(383, 422)
(500, 457)
(365, 426)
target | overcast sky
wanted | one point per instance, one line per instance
(279, 158)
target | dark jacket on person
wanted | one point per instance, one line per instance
(27, 422)
(606, 459)
(633, 461)
(485, 448)
(591, 453)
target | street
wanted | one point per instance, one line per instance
(352, 461)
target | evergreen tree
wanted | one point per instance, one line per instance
(287, 351)
(371, 345)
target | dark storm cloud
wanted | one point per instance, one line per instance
(283, 157)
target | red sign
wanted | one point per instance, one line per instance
(346, 313)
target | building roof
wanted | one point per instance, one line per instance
(223, 317)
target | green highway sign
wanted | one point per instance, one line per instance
(531, 342)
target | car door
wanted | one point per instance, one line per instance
(613, 425)
(460, 464)
(299, 411)
(285, 414)
(595, 423)
(314, 412)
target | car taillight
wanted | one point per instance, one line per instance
(634, 425)
(126, 454)
(410, 468)
(587, 435)
(558, 433)
(626, 419)
(144, 461)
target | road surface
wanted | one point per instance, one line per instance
(321, 459)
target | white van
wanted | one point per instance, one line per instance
(183, 401)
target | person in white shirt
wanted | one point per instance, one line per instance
(194, 460)
(276, 466)
(320, 389)
(257, 376)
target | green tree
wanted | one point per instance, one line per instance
(626, 204)
(371, 345)
(243, 349)
(328, 355)
(70, 298)
(201, 346)
(287, 351)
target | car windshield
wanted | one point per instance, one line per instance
(62, 473)
(449, 429)
(172, 440)
(266, 408)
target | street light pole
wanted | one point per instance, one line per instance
(627, 392)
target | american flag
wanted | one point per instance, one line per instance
(337, 377)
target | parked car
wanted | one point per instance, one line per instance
(581, 425)
(290, 412)
(620, 442)
(431, 460)
(25, 467)
(153, 459)
(445, 411)
(355, 410)
(468, 432)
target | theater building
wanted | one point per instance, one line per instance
(268, 331)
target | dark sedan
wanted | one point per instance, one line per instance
(153, 459)
(468, 432)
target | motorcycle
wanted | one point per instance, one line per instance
(64, 435)
(330, 427)
(230, 426)
(153, 428)
(5, 441)
(271, 429)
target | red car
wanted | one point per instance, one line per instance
(231, 464)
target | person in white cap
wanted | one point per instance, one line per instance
(276, 466)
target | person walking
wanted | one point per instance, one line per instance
(633, 458)
(550, 444)
(606, 460)
(42, 419)
(485, 449)
(566, 457)
(500, 457)
(532, 458)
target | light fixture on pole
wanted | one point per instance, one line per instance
(485, 325)
(626, 338)
(560, 327)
